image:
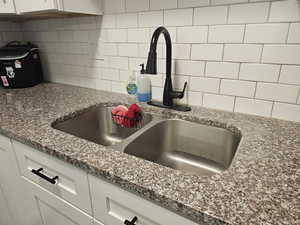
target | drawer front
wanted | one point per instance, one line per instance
(54, 210)
(61, 179)
(113, 205)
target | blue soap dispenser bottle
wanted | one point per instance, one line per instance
(144, 90)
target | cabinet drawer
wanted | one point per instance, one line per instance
(54, 210)
(71, 183)
(113, 206)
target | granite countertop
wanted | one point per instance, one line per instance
(262, 186)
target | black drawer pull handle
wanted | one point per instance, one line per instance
(38, 173)
(132, 222)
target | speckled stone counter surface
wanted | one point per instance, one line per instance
(262, 186)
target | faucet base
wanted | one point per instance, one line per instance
(181, 108)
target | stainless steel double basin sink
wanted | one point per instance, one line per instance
(174, 143)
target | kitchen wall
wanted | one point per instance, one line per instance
(10, 31)
(236, 55)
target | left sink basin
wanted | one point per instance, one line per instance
(96, 125)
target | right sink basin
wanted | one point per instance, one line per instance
(187, 146)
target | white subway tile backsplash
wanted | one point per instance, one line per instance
(139, 35)
(242, 52)
(225, 2)
(222, 70)
(290, 75)
(109, 49)
(114, 6)
(187, 67)
(192, 3)
(286, 111)
(116, 35)
(119, 62)
(118, 87)
(130, 50)
(238, 88)
(137, 5)
(108, 21)
(285, 54)
(253, 106)
(210, 85)
(129, 20)
(248, 13)
(207, 52)
(259, 72)
(15, 35)
(226, 34)
(65, 36)
(195, 98)
(178, 17)
(283, 11)
(210, 15)
(233, 56)
(79, 36)
(151, 19)
(193, 34)
(181, 51)
(165, 4)
(104, 85)
(294, 33)
(110, 74)
(218, 102)
(277, 92)
(266, 33)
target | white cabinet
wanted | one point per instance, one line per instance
(54, 210)
(5, 215)
(71, 184)
(24, 6)
(92, 7)
(7, 7)
(72, 198)
(113, 205)
(19, 203)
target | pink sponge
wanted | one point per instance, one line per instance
(119, 113)
(132, 116)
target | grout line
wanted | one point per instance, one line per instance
(228, 12)
(261, 53)
(280, 71)
(234, 103)
(244, 35)
(272, 108)
(288, 33)
(239, 71)
(255, 90)
(269, 11)
(298, 98)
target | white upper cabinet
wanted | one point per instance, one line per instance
(25, 6)
(89, 7)
(7, 7)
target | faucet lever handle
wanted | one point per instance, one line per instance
(180, 94)
(184, 87)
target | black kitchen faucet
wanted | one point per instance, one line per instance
(151, 68)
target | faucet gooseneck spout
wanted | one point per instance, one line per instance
(169, 94)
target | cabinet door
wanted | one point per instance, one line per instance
(7, 6)
(54, 210)
(113, 206)
(5, 215)
(25, 6)
(19, 202)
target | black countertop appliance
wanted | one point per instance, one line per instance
(20, 65)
